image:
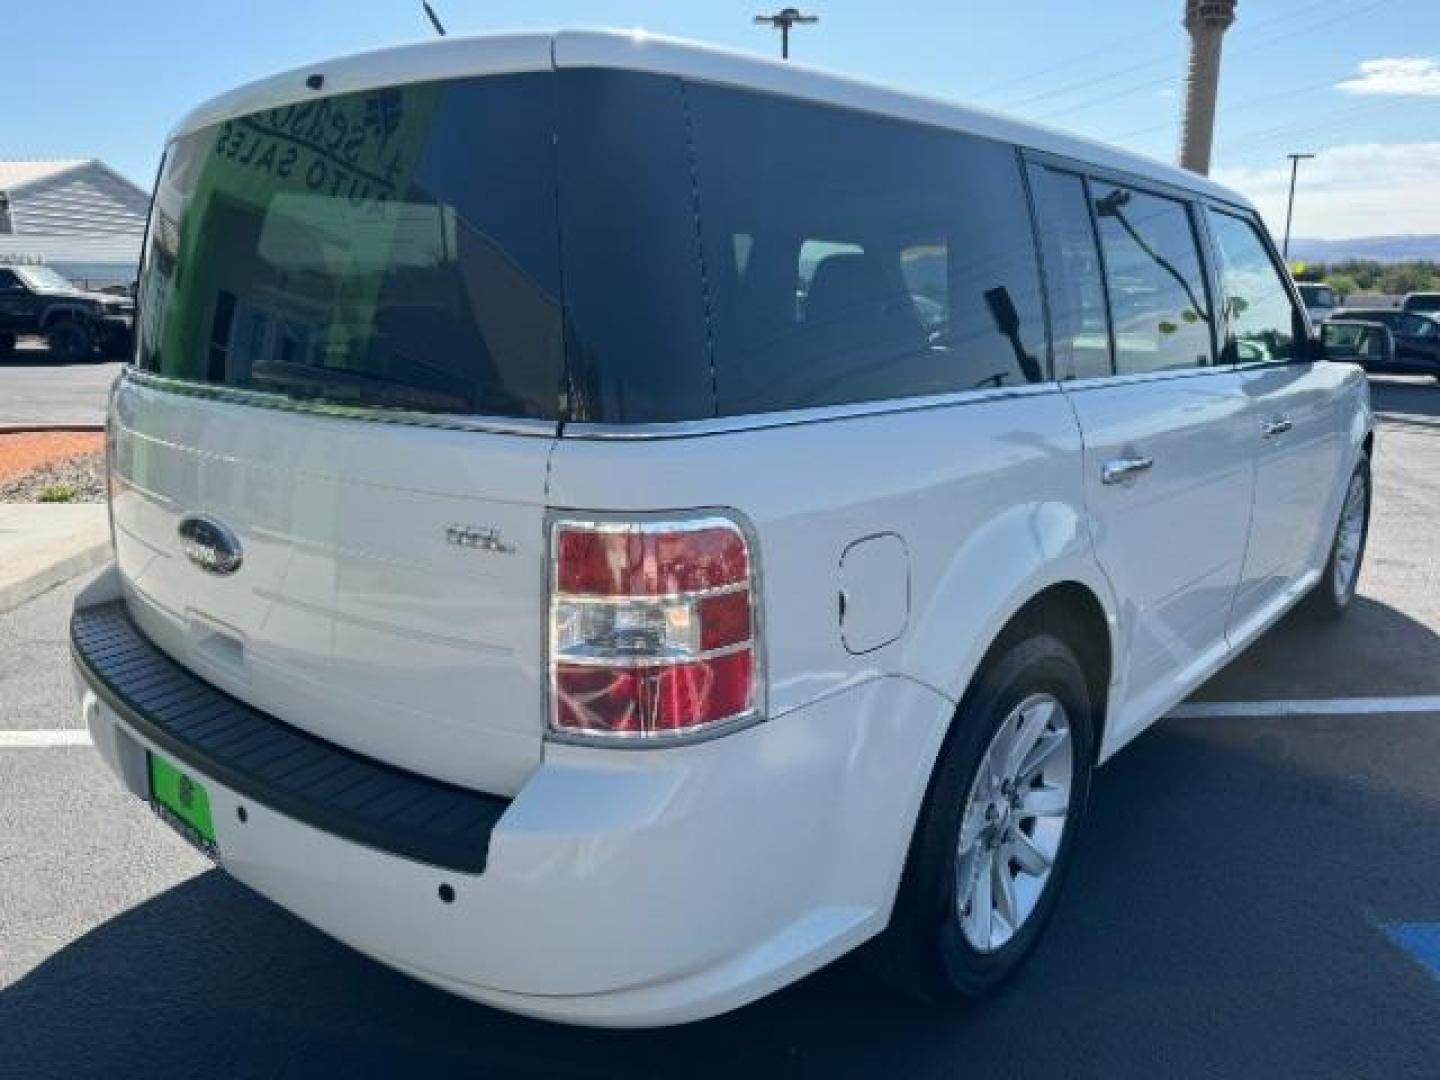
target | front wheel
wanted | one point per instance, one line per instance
(1336, 590)
(70, 341)
(998, 828)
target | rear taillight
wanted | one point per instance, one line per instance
(653, 629)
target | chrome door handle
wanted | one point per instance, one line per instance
(1123, 468)
(1277, 427)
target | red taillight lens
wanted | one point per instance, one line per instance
(652, 628)
(612, 560)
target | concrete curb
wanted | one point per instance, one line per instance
(42, 545)
(57, 573)
(33, 427)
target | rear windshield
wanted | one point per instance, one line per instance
(723, 252)
(394, 248)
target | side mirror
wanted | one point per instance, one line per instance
(1353, 341)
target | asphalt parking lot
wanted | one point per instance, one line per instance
(34, 389)
(1258, 894)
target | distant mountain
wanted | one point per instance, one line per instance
(1380, 248)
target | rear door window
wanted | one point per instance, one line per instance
(1262, 324)
(880, 259)
(1156, 280)
(1079, 321)
(395, 248)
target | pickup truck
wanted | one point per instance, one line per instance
(77, 325)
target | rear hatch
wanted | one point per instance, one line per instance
(349, 367)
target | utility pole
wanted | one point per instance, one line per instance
(1295, 160)
(1206, 21)
(783, 20)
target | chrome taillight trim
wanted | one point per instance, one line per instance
(655, 521)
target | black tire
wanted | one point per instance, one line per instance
(7, 346)
(70, 341)
(1329, 600)
(924, 952)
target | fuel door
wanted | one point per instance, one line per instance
(874, 592)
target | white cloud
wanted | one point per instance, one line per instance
(1407, 75)
(1362, 189)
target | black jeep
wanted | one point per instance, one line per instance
(77, 325)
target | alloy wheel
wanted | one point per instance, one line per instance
(1349, 538)
(1015, 817)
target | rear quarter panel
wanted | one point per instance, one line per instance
(986, 496)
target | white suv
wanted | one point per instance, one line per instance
(607, 526)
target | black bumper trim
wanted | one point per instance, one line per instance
(255, 755)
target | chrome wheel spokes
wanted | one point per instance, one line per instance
(1014, 820)
(1349, 538)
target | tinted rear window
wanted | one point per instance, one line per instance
(849, 257)
(722, 252)
(393, 248)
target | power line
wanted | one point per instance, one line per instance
(1243, 50)
(1078, 58)
(1343, 120)
(1239, 106)
(1130, 40)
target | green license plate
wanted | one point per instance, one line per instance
(182, 801)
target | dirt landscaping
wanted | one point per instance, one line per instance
(52, 466)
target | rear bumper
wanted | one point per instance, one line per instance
(622, 888)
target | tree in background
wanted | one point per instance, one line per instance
(1372, 276)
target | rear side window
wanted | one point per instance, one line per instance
(638, 345)
(854, 258)
(1080, 325)
(1156, 280)
(1262, 324)
(395, 248)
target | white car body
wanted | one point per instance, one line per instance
(631, 886)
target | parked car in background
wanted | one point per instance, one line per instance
(536, 593)
(76, 325)
(1319, 299)
(1416, 336)
(1421, 301)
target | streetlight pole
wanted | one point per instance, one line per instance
(783, 20)
(1295, 160)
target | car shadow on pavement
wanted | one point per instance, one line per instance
(1223, 918)
(1375, 651)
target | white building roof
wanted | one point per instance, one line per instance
(460, 57)
(16, 174)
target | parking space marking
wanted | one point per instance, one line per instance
(1358, 706)
(43, 740)
(1420, 940)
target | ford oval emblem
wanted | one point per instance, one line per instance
(210, 545)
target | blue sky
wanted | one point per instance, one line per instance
(1357, 81)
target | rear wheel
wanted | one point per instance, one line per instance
(1335, 591)
(997, 831)
(70, 341)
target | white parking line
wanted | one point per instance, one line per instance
(1355, 706)
(43, 740)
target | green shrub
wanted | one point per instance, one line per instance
(57, 493)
